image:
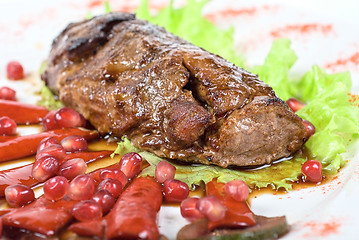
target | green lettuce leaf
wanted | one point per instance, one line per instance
(48, 99)
(188, 23)
(326, 95)
(276, 68)
(280, 175)
(336, 120)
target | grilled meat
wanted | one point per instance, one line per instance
(131, 78)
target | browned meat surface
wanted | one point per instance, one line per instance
(129, 77)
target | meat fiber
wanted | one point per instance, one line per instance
(131, 78)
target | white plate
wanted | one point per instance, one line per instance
(322, 32)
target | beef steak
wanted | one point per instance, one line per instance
(131, 78)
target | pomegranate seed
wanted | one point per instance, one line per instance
(7, 126)
(72, 168)
(18, 195)
(14, 70)
(312, 169)
(237, 189)
(7, 94)
(74, 144)
(189, 209)
(309, 127)
(130, 164)
(47, 142)
(211, 208)
(44, 168)
(55, 150)
(87, 210)
(55, 188)
(112, 185)
(295, 104)
(81, 187)
(48, 122)
(105, 199)
(114, 174)
(164, 171)
(67, 117)
(175, 190)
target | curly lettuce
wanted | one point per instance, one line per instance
(280, 175)
(188, 23)
(48, 99)
(328, 107)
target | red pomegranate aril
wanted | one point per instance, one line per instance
(7, 94)
(74, 144)
(211, 208)
(55, 150)
(47, 142)
(130, 164)
(14, 70)
(7, 126)
(164, 171)
(48, 122)
(105, 199)
(67, 117)
(237, 189)
(312, 169)
(87, 210)
(81, 187)
(309, 127)
(112, 185)
(295, 104)
(189, 210)
(175, 190)
(44, 168)
(114, 174)
(72, 168)
(55, 188)
(19, 195)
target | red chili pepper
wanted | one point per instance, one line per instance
(22, 175)
(238, 213)
(41, 216)
(136, 220)
(22, 113)
(4, 138)
(24, 146)
(57, 214)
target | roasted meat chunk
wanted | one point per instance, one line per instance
(131, 78)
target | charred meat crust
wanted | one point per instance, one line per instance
(129, 77)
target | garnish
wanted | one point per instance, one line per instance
(48, 99)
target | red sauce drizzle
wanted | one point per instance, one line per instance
(323, 229)
(354, 99)
(344, 62)
(302, 29)
(231, 13)
(95, 3)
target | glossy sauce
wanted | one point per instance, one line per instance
(30, 114)
(199, 191)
